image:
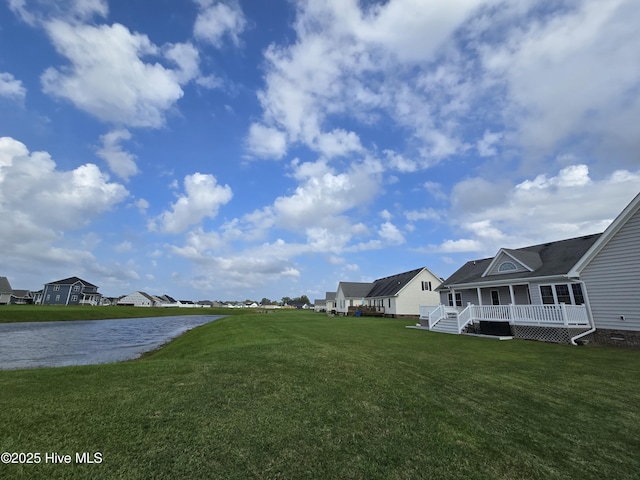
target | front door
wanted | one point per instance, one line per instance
(495, 297)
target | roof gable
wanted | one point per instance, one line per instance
(390, 286)
(556, 259)
(5, 286)
(512, 261)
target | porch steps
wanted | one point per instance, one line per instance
(446, 325)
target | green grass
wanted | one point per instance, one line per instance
(297, 395)
(46, 313)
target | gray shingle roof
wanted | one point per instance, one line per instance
(390, 286)
(355, 289)
(5, 286)
(71, 281)
(556, 258)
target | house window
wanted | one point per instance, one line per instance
(547, 295)
(76, 288)
(48, 297)
(458, 300)
(426, 286)
(57, 298)
(562, 293)
(578, 297)
(507, 267)
(389, 303)
(56, 288)
(74, 298)
(569, 294)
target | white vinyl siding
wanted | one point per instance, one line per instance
(612, 279)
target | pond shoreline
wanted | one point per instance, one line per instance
(90, 342)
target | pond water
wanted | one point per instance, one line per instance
(58, 344)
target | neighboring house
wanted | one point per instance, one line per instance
(10, 296)
(37, 297)
(330, 302)
(109, 301)
(138, 299)
(71, 291)
(402, 294)
(585, 287)
(351, 294)
(320, 305)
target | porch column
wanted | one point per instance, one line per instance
(513, 298)
(479, 296)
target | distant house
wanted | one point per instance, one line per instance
(71, 291)
(320, 305)
(351, 294)
(330, 302)
(402, 294)
(9, 295)
(580, 288)
(139, 299)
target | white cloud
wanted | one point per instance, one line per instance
(424, 214)
(435, 189)
(36, 11)
(39, 204)
(217, 20)
(338, 142)
(11, 88)
(453, 246)
(210, 82)
(142, 205)
(486, 145)
(349, 60)
(390, 233)
(120, 162)
(323, 195)
(202, 199)
(123, 247)
(266, 142)
(547, 208)
(108, 78)
(186, 57)
(573, 73)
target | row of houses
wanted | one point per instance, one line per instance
(570, 291)
(397, 295)
(76, 291)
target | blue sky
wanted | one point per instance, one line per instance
(242, 149)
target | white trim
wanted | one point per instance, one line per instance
(494, 263)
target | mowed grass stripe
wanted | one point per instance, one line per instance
(302, 395)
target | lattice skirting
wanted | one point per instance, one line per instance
(546, 334)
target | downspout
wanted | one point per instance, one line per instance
(589, 316)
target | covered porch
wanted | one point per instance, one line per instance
(567, 316)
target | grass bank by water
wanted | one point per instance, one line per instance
(300, 395)
(48, 313)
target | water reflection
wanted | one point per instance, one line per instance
(57, 344)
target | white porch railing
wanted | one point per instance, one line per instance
(531, 315)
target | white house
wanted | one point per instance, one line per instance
(580, 288)
(351, 294)
(402, 294)
(138, 299)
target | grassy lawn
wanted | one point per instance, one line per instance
(46, 313)
(300, 395)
